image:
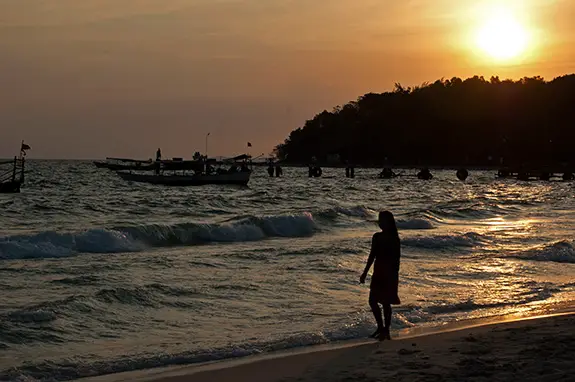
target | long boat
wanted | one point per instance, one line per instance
(116, 164)
(240, 178)
(179, 172)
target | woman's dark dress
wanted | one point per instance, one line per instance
(385, 278)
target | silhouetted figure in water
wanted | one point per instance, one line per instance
(158, 155)
(387, 173)
(424, 174)
(386, 253)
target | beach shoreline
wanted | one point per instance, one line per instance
(303, 363)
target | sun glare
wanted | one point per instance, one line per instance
(502, 37)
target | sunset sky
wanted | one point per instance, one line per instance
(96, 78)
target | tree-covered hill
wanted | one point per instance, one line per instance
(448, 122)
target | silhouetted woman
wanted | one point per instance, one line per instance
(386, 252)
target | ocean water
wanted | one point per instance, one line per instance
(99, 276)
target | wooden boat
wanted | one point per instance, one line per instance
(240, 178)
(12, 172)
(11, 178)
(178, 172)
(116, 164)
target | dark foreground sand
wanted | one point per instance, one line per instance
(541, 349)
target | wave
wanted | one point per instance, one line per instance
(413, 224)
(52, 244)
(461, 209)
(467, 240)
(558, 252)
(137, 238)
(353, 212)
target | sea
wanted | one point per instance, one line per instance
(99, 275)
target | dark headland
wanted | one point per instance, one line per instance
(474, 122)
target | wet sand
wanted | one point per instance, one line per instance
(538, 349)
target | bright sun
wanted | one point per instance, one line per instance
(502, 37)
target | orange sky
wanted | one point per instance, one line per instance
(95, 78)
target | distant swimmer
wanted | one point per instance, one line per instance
(424, 174)
(387, 173)
(386, 253)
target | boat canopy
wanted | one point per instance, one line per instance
(129, 160)
(242, 157)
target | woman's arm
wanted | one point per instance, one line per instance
(370, 261)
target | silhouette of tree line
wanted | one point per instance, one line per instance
(448, 122)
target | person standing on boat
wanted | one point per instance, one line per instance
(386, 253)
(158, 161)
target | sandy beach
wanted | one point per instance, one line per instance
(538, 349)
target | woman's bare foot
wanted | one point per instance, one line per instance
(386, 333)
(382, 336)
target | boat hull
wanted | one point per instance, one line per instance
(237, 178)
(10, 187)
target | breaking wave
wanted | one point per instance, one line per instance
(467, 240)
(558, 252)
(138, 238)
(414, 224)
(124, 239)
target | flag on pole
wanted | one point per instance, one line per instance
(24, 147)
(249, 144)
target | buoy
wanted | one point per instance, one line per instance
(462, 174)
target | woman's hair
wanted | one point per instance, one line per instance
(387, 222)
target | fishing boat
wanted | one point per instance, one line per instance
(177, 172)
(116, 164)
(12, 172)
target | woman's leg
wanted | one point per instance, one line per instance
(376, 312)
(387, 316)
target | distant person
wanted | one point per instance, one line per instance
(158, 155)
(424, 174)
(387, 173)
(386, 253)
